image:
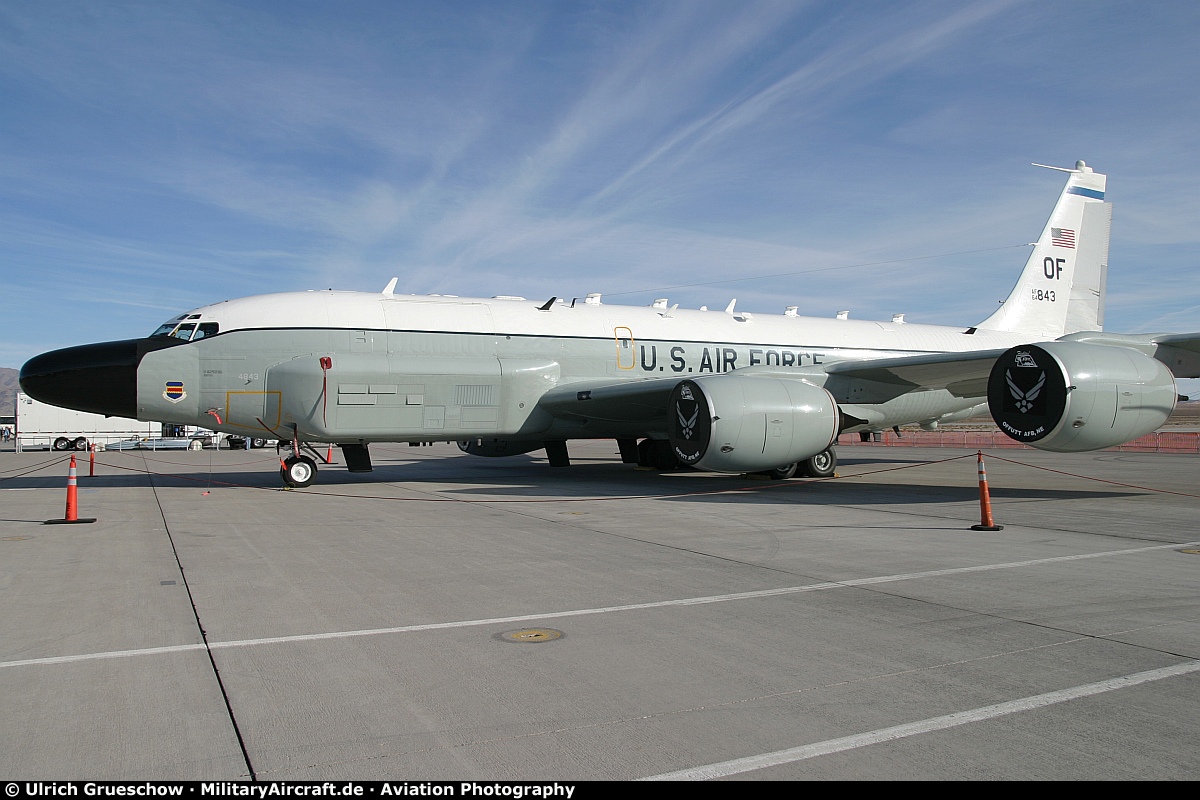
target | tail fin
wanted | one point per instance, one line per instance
(1061, 289)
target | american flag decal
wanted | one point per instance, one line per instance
(1062, 237)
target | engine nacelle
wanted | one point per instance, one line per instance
(1073, 396)
(744, 423)
(491, 447)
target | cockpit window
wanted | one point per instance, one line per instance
(188, 331)
(166, 328)
(206, 329)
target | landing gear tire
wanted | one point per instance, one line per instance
(298, 471)
(783, 473)
(62, 443)
(657, 454)
(80, 443)
(822, 465)
(257, 444)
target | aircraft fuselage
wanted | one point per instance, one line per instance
(481, 367)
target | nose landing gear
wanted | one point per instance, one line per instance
(298, 471)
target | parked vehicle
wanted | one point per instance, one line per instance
(42, 425)
(247, 442)
(124, 444)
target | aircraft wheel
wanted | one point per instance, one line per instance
(657, 454)
(80, 443)
(822, 465)
(299, 471)
(62, 443)
(782, 473)
(258, 444)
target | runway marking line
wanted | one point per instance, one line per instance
(792, 755)
(688, 601)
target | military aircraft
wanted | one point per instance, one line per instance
(725, 391)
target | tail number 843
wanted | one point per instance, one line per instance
(1042, 294)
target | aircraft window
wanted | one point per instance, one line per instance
(194, 316)
(167, 327)
(206, 329)
(184, 331)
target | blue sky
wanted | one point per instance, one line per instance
(159, 156)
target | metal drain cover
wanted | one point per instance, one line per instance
(530, 635)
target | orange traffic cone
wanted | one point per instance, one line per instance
(985, 502)
(329, 455)
(72, 500)
(92, 461)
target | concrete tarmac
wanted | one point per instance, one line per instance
(460, 618)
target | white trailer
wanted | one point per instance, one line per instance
(40, 425)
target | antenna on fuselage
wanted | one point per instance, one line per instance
(390, 289)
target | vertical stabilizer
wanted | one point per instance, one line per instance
(1061, 289)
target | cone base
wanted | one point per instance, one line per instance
(987, 527)
(68, 521)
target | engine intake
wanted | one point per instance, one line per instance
(1072, 396)
(742, 423)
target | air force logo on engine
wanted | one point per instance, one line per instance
(1027, 393)
(690, 425)
(687, 425)
(1024, 398)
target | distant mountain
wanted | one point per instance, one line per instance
(8, 391)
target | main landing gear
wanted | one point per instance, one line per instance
(822, 465)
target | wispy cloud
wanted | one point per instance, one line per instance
(154, 157)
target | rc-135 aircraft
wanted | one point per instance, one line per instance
(721, 391)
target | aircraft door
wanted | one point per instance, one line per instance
(236, 392)
(626, 354)
(251, 404)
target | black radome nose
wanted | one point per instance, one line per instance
(100, 378)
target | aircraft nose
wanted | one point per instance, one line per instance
(100, 378)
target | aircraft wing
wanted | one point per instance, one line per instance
(859, 382)
(864, 381)
(966, 374)
(882, 379)
(1179, 351)
(1184, 341)
(610, 401)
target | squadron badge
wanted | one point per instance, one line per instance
(174, 391)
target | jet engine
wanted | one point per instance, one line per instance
(1072, 396)
(744, 423)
